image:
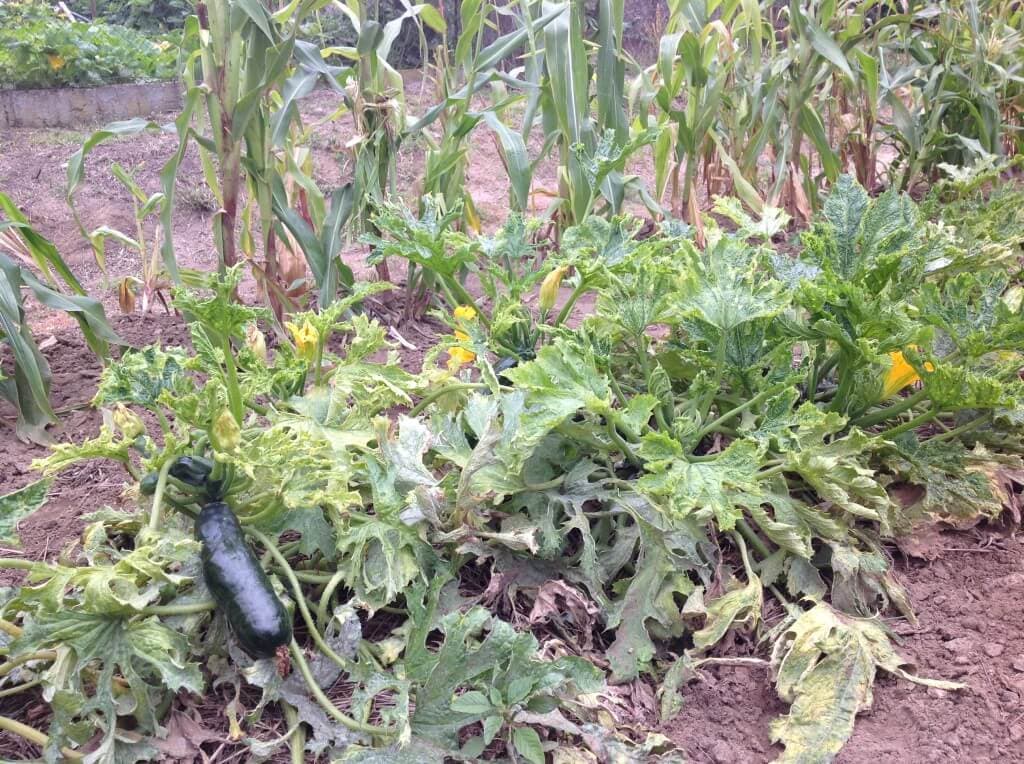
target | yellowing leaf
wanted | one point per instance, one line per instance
(16, 506)
(738, 606)
(825, 666)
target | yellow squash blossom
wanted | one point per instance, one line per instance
(459, 357)
(56, 61)
(900, 374)
(549, 288)
(306, 338)
(465, 313)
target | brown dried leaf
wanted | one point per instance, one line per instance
(555, 600)
(924, 541)
(184, 737)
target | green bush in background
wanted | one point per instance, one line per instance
(151, 16)
(39, 49)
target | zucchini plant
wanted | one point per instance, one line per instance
(470, 554)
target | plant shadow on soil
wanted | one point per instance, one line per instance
(969, 597)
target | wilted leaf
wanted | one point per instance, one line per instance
(648, 603)
(741, 605)
(184, 737)
(825, 665)
(16, 506)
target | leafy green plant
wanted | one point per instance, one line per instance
(21, 249)
(150, 17)
(243, 80)
(783, 97)
(590, 131)
(724, 429)
(377, 105)
(437, 255)
(153, 280)
(315, 233)
(965, 87)
(41, 50)
(507, 265)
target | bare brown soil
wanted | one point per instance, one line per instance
(969, 602)
(970, 599)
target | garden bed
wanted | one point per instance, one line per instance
(967, 587)
(580, 484)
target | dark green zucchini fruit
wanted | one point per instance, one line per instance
(239, 585)
(192, 470)
(147, 486)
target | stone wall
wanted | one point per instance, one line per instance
(75, 107)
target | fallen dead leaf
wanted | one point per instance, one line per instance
(184, 737)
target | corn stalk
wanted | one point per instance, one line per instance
(23, 251)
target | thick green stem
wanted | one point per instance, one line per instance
(297, 740)
(433, 395)
(164, 424)
(9, 628)
(185, 509)
(716, 383)
(752, 538)
(909, 425)
(546, 485)
(325, 599)
(771, 471)
(842, 391)
(889, 412)
(190, 608)
(234, 391)
(623, 446)
(300, 599)
(308, 576)
(964, 428)
(34, 736)
(563, 314)
(21, 660)
(356, 726)
(13, 564)
(738, 539)
(465, 298)
(318, 363)
(617, 389)
(19, 688)
(741, 408)
(156, 513)
(815, 371)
